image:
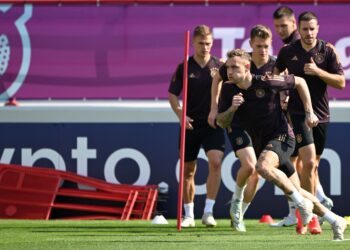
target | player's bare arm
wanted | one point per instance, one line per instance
(333, 80)
(303, 91)
(215, 92)
(284, 98)
(224, 119)
(176, 107)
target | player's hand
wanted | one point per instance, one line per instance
(237, 101)
(311, 119)
(188, 123)
(311, 68)
(211, 118)
(284, 99)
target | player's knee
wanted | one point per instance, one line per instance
(263, 170)
(249, 168)
(189, 171)
(254, 179)
(310, 165)
(215, 164)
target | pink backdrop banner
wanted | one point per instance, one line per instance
(126, 51)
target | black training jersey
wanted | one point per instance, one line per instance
(267, 68)
(292, 38)
(199, 86)
(263, 70)
(260, 114)
(294, 57)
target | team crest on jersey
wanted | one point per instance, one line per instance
(213, 71)
(239, 141)
(319, 58)
(299, 138)
(260, 93)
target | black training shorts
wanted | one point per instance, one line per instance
(239, 138)
(303, 134)
(206, 137)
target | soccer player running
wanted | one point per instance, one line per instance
(201, 67)
(247, 178)
(318, 63)
(255, 101)
(286, 28)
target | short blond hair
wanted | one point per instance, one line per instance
(239, 53)
(260, 31)
(202, 30)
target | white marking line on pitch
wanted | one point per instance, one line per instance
(341, 240)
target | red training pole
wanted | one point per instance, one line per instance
(183, 131)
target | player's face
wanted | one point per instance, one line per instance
(284, 26)
(260, 47)
(202, 45)
(237, 69)
(308, 32)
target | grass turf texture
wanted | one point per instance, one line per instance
(140, 235)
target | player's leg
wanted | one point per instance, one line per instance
(338, 223)
(191, 152)
(242, 146)
(291, 219)
(320, 135)
(248, 161)
(213, 143)
(306, 153)
(250, 191)
(276, 154)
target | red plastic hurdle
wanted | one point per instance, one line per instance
(37, 193)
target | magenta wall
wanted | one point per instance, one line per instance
(125, 51)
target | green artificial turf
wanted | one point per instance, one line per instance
(140, 235)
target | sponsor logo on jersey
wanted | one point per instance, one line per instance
(192, 75)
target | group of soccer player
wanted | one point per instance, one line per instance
(275, 112)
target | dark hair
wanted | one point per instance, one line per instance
(306, 16)
(260, 31)
(202, 30)
(240, 53)
(283, 11)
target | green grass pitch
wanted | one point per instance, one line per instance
(142, 235)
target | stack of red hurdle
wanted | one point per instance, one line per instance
(39, 193)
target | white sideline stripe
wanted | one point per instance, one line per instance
(113, 111)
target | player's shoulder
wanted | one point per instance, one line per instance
(328, 49)
(294, 45)
(326, 46)
(290, 48)
(272, 59)
(275, 78)
(217, 61)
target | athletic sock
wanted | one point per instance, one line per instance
(189, 207)
(320, 195)
(245, 206)
(239, 192)
(296, 197)
(330, 217)
(292, 208)
(209, 204)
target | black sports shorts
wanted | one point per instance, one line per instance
(303, 134)
(283, 146)
(239, 138)
(207, 137)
